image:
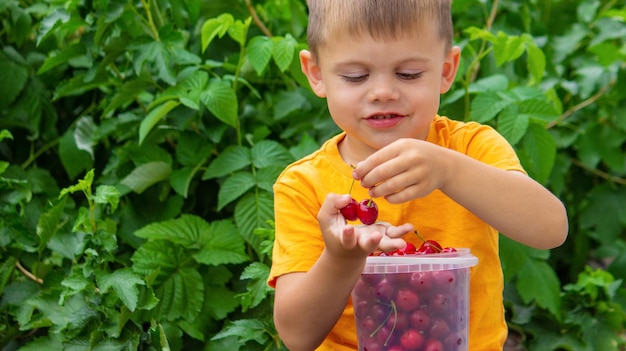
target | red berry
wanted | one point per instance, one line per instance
(429, 247)
(421, 281)
(448, 249)
(367, 211)
(433, 345)
(350, 211)
(412, 340)
(439, 329)
(420, 320)
(407, 300)
(408, 249)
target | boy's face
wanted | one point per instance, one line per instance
(381, 90)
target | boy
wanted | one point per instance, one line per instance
(382, 65)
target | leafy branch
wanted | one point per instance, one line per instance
(582, 104)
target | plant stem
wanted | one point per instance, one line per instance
(27, 273)
(257, 20)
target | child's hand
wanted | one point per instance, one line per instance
(347, 241)
(403, 170)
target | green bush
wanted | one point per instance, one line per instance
(139, 141)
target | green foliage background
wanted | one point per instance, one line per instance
(139, 141)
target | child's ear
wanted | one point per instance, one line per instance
(450, 68)
(313, 73)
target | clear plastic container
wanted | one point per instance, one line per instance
(414, 302)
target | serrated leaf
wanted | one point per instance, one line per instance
(259, 52)
(73, 314)
(12, 81)
(232, 159)
(154, 117)
(546, 294)
(606, 212)
(238, 30)
(536, 62)
(245, 330)
(124, 282)
(181, 180)
(177, 284)
(61, 57)
(190, 231)
(49, 224)
(288, 102)
(220, 98)
(252, 212)
(107, 194)
(215, 27)
(486, 106)
(233, 187)
(257, 288)
(508, 48)
(223, 246)
(180, 296)
(221, 301)
(538, 152)
(283, 51)
(269, 152)
(512, 124)
(147, 175)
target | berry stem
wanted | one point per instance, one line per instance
(424, 240)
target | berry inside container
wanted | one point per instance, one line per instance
(414, 302)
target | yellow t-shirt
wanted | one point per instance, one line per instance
(303, 186)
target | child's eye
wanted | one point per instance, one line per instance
(354, 79)
(409, 76)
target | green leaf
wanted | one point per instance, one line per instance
(245, 330)
(259, 52)
(181, 179)
(536, 62)
(62, 57)
(177, 283)
(283, 51)
(189, 231)
(153, 118)
(12, 80)
(238, 31)
(107, 194)
(269, 152)
(146, 175)
(252, 212)
(538, 152)
(68, 244)
(49, 224)
(74, 314)
(234, 186)
(508, 48)
(220, 301)
(232, 159)
(221, 100)
(606, 212)
(215, 27)
(513, 125)
(75, 161)
(124, 282)
(546, 294)
(486, 106)
(224, 245)
(83, 185)
(288, 102)
(257, 288)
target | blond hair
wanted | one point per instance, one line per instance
(378, 18)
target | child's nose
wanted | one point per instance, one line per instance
(383, 89)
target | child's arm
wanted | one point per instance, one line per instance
(511, 202)
(308, 304)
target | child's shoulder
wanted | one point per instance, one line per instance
(318, 161)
